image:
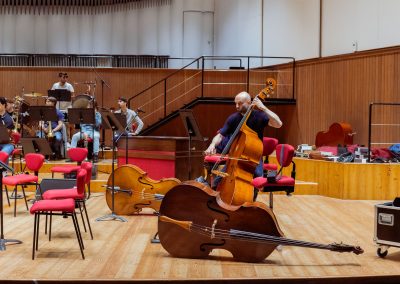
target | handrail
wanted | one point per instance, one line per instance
(164, 79)
(370, 123)
(203, 59)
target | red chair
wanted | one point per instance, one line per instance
(17, 152)
(78, 194)
(284, 155)
(209, 162)
(64, 207)
(269, 145)
(88, 167)
(76, 155)
(33, 162)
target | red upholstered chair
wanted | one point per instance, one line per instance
(269, 145)
(77, 193)
(76, 155)
(33, 162)
(17, 152)
(209, 162)
(88, 167)
(64, 207)
(284, 155)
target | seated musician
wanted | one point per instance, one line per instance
(8, 122)
(56, 129)
(63, 84)
(10, 107)
(89, 131)
(257, 121)
(131, 116)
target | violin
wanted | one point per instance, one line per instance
(134, 190)
(192, 223)
(338, 134)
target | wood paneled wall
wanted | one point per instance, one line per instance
(328, 90)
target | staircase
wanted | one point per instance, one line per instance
(200, 81)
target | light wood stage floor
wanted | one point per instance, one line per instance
(122, 251)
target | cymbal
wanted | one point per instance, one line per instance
(33, 94)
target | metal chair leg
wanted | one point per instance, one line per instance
(78, 235)
(87, 219)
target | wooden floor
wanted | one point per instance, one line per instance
(123, 250)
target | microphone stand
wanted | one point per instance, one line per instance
(4, 241)
(113, 216)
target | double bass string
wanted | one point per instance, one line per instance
(146, 196)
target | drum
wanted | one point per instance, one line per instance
(82, 101)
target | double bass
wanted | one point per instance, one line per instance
(194, 219)
(135, 190)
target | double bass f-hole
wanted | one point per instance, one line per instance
(140, 180)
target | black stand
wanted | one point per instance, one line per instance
(3, 241)
(36, 145)
(62, 95)
(82, 115)
(193, 132)
(111, 122)
(42, 113)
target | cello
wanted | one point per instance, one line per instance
(135, 190)
(194, 219)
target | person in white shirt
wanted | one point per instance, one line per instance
(63, 84)
(131, 116)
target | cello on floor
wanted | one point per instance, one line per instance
(194, 219)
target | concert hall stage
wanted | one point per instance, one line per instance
(122, 251)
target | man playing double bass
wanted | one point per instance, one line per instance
(257, 121)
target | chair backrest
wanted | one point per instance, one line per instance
(77, 154)
(15, 136)
(34, 161)
(88, 167)
(80, 181)
(269, 145)
(284, 154)
(3, 157)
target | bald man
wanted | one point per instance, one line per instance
(257, 121)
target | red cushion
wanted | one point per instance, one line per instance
(284, 154)
(77, 154)
(64, 205)
(19, 179)
(34, 161)
(17, 151)
(269, 145)
(62, 194)
(270, 167)
(67, 169)
(3, 157)
(261, 182)
(214, 158)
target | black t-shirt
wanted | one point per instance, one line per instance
(257, 121)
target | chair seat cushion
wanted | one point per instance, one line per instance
(270, 167)
(67, 169)
(62, 193)
(261, 182)
(64, 205)
(17, 151)
(19, 179)
(214, 159)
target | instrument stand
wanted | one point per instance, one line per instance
(155, 239)
(193, 132)
(111, 122)
(3, 241)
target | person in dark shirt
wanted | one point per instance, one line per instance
(56, 129)
(257, 121)
(6, 120)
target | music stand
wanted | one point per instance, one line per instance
(36, 145)
(192, 130)
(109, 121)
(121, 118)
(3, 241)
(42, 113)
(81, 115)
(62, 95)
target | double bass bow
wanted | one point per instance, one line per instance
(194, 219)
